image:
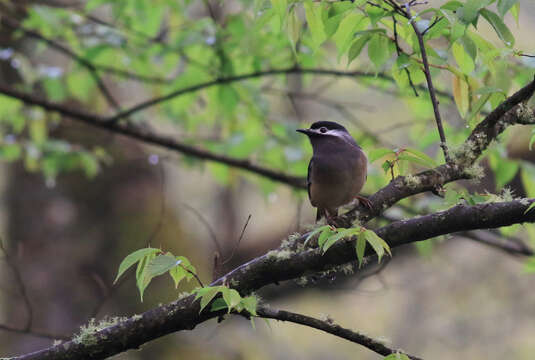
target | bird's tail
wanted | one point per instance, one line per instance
(320, 213)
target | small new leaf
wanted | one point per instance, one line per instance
(132, 259)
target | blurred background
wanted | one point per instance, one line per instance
(65, 232)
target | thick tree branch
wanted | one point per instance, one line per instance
(330, 327)
(511, 111)
(278, 266)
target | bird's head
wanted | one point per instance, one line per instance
(327, 131)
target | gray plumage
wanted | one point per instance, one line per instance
(338, 168)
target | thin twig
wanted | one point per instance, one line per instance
(21, 287)
(430, 85)
(207, 225)
(192, 273)
(238, 242)
(330, 327)
(27, 328)
(62, 49)
(399, 51)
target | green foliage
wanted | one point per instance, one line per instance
(229, 299)
(397, 356)
(398, 160)
(152, 262)
(329, 235)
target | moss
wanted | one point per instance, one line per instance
(302, 281)
(88, 332)
(412, 181)
(281, 254)
(475, 172)
(525, 114)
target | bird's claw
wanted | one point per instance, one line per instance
(364, 201)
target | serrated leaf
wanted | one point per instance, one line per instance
(378, 244)
(325, 234)
(314, 232)
(386, 166)
(207, 294)
(412, 159)
(331, 240)
(231, 297)
(462, 58)
(161, 264)
(378, 50)
(376, 154)
(315, 24)
(133, 258)
(143, 281)
(218, 304)
(177, 274)
(344, 34)
(420, 154)
(250, 303)
(505, 5)
(499, 26)
(360, 246)
(356, 48)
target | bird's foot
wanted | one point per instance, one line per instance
(364, 201)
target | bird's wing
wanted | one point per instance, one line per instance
(308, 179)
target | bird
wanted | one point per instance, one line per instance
(337, 170)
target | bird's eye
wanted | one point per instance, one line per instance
(323, 130)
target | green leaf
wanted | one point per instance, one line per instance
(423, 156)
(334, 238)
(231, 297)
(387, 165)
(378, 50)
(294, 28)
(397, 356)
(280, 7)
(325, 234)
(161, 264)
(460, 95)
(218, 304)
(313, 16)
(378, 244)
(250, 304)
(463, 59)
(143, 281)
(132, 259)
(505, 5)
(531, 206)
(360, 246)
(515, 11)
(344, 34)
(207, 294)
(356, 48)
(376, 154)
(529, 265)
(316, 231)
(499, 26)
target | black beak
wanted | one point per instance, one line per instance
(304, 131)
